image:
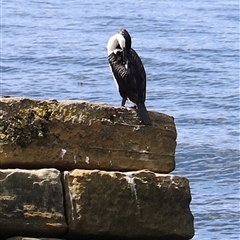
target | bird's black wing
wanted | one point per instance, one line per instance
(136, 78)
(119, 71)
(117, 66)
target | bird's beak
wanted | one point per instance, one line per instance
(124, 55)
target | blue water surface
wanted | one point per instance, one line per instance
(190, 49)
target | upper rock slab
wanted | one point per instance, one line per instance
(75, 134)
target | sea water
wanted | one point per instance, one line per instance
(190, 50)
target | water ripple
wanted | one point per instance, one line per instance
(57, 50)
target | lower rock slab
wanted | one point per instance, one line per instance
(31, 203)
(139, 204)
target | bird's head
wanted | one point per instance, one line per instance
(120, 41)
(127, 38)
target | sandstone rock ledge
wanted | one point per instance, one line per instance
(73, 134)
(130, 205)
(77, 170)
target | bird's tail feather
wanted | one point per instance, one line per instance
(143, 114)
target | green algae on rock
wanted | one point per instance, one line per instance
(24, 127)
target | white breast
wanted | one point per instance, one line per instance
(114, 78)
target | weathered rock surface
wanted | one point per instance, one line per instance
(82, 204)
(74, 134)
(31, 201)
(140, 204)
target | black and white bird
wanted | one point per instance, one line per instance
(128, 72)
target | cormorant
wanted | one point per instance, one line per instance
(128, 72)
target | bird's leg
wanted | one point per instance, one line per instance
(123, 102)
